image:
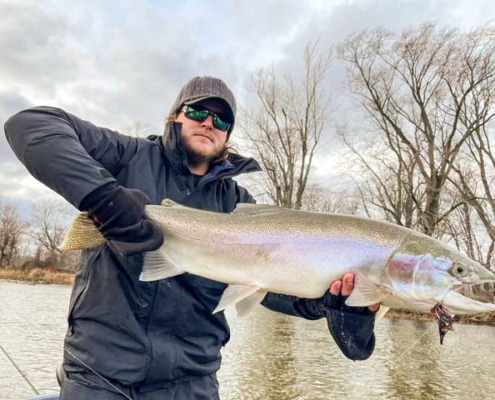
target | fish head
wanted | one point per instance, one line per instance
(465, 272)
(421, 281)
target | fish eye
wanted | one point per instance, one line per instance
(458, 270)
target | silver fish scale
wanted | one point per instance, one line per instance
(274, 222)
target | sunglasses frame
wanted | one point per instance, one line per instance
(215, 117)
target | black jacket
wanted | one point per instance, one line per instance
(133, 332)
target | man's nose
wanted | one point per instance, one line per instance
(208, 122)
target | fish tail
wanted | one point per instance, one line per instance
(82, 234)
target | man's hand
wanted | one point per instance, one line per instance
(333, 300)
(345, 287)
(351, 327)
(119, 215)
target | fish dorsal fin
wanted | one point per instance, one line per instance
(157, 265)
(366, 293)
(250, 209)
(234, 294)
(169, 203)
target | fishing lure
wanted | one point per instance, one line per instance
(445, 320)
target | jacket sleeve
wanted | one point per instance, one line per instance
(352, 328)
(71, 156)
(244, 196)
(290, 305)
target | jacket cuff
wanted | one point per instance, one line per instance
(289, 305)
(353, 333)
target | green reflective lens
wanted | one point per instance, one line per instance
(201, 115)
(197, 115)
(219, 124)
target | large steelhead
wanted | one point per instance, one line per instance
(259, 249)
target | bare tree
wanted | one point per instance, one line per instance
(466, 230)
(420, 90)
(385, 176)
(285, 131)
(51, 218)
(321, 199)
(11, 230)
(474, 178)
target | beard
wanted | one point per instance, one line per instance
(195, 158)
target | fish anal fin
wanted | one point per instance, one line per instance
(381, 312)
(366, 292)
(245, 306)
(234, 294)
(157, 265)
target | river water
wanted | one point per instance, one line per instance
(270, 356)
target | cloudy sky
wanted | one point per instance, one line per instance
(116, 63)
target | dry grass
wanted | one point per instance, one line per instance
(38, 275)
(482, 319)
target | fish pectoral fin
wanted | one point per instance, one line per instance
(157, 265)
(366, 293)
(381, 312)
(234, 294)
(245, 306)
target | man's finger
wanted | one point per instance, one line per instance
(374, 307)
(347, 284)
(335, 287)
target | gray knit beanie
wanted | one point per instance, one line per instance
(205, 87)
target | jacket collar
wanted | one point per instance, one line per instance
(175, 153)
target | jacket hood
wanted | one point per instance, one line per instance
(175, 154)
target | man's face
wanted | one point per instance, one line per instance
(201, 139)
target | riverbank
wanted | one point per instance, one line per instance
(476, 319)
(38, 276)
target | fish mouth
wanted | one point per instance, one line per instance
(466, 300)
(472, 297)
(486, 276)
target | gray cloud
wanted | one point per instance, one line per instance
(117, 62)
(10, 103)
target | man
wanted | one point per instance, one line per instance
(154, 340)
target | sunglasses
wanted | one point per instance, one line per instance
(201, 115)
